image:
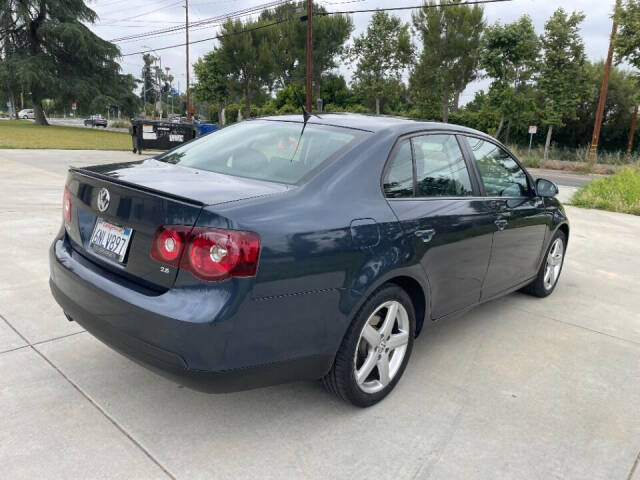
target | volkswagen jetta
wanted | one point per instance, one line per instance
(277, 249)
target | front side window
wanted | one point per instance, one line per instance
(265, 150)
(501, 175)
(440, 167)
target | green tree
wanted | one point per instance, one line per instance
(451, 42)
(627, 41)
(334, 91)
(510, 56)
(288, 50)
(148, 88)
(246, 55)
(213, 83)
(8, 54)
(54, 53)
(621, 97)
(381, 54)
(563, 77)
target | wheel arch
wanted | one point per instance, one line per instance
(417, 295)
(564, 228)
(410, 281)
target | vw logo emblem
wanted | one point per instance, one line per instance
(103, 199)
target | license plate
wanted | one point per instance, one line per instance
(110, 240)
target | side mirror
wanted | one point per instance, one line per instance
(546, 188)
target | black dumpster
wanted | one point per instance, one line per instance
(159, 134)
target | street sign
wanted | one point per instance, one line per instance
(533, 129)
(73, 106)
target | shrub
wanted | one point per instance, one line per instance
(288, 108)
(120, 124)
(231, 113)
(267, 109)
(617, 193)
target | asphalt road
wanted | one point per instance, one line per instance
(565, 179)
(79, 122)
(518, 388)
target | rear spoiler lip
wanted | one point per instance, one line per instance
(135, 186)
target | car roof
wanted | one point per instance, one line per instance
(375, 123)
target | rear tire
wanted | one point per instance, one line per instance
(375, 350)
(549, 272)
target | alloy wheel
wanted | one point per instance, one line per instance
(381, 347)
(554, 264)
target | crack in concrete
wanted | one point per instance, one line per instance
(40, 342)
(634, 467)
(576, 325)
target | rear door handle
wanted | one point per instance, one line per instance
(501, 224)
(425, 235)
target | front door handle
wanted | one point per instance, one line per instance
(501, 223)
(425, 235)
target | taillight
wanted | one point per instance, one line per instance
(210, 254)
(66, 206)
(168, 244)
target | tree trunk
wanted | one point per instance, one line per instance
(507, 134)
(377, 106)
(548, 143)
(12, 97)
(500, 126)
(222, 117)
(632, 132)
(247, 102)
(456, 101)
(318, 95)
(445, 105)
(37, 109)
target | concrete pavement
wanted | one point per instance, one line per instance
(517, 388)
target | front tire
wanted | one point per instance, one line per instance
(549, 273)
(375, 350)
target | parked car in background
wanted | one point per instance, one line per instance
(26, 113)
(95, 121)
(272, 251)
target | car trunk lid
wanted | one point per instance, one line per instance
(141, 197)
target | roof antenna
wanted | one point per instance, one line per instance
(305, 114)
(305, 117)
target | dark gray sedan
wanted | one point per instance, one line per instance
(276, 250)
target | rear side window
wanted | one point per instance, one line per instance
(266, 150)
(440, 167)
(399, 180)
(501, 175)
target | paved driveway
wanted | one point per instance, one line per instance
(518, 388)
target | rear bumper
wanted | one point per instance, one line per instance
(199, 349)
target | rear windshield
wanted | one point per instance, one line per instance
(265, 150)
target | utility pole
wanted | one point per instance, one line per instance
(309, 53)
(593, 151)
(186, 9)
(634, 123)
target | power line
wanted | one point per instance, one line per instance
(217, 37)
(147, 13)
(259, 27)
(390, 9)
(207, 21)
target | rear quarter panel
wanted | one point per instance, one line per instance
(325, 246)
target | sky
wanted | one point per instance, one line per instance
(118, 18)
